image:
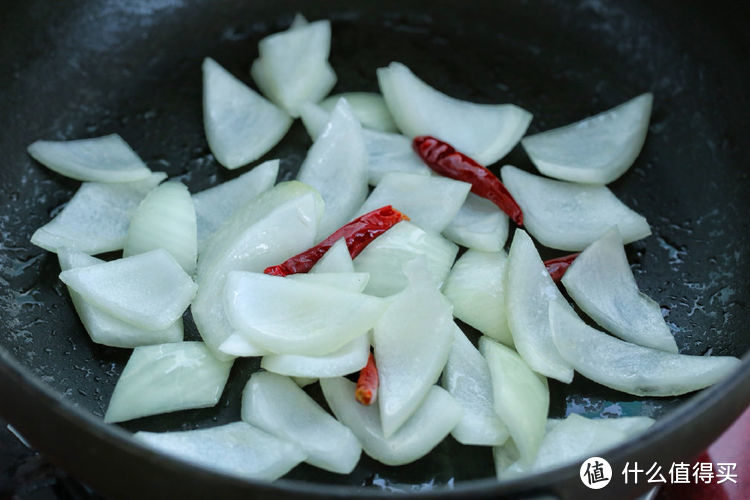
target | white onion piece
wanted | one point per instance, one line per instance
(295, 317)
(573, 439)
(237, 345)
(432, 421)
(96, 218)
(302, 40)
(466, 377)
(299, 21)
(336, 260)
(149, 290)
(476, 288)
(595, 150)
(213, 206)
(165, 219)
(277, 405)
(479, 225)
(349, 282)
(531, 290)
(570, 216)
(630, 368)
(507, 460)
(430, 202)
(293, 65)
(485, 132)
(412, 341)
(350, 358)
(578, 437)
(100, 159)
(237, 448)
(165, 378)
(304, 381)
(368, 107)
(105, 329)
(336, 165)
(385, 256)
(241, 126)
(316, 85)
(602, 284)
(520, 396)
(265, 231)
(386, 152)
(314, 118)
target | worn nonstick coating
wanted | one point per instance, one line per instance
(97, 67)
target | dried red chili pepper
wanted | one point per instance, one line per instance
(557, 267)
(357, 234)
(445, 160)
(367, 384)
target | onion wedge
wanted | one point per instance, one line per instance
(476, 288)
(479, 225)
(213, 206)
(386, 152)
(430, 202)
(412, 341)
(602, 284)
(527, 309)
(336, 260)
(241, 126)
(595, 150)
(520, 397)
(570, 216)
(236, 345)
(350, 358)
(485, 132)
(277, 405)
(385, 257)
(238, 449)
(105, 329)
(96, 219)
(149, 290)
(165, 219)
(576, 438)
(101, 159)
(294, 317)
(368, 107)
(630, 368)
(268, 229)
(432, 421)
(293, 65)
(336, 165)
(165, 378)
(349, 282)
(466, 377)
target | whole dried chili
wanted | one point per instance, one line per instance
(357, 234)
(445, 160)
(557, 267)
(367, 384)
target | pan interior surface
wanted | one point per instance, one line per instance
(133, 68)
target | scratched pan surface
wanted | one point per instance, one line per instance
(97, 67)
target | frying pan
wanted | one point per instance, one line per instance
(101, 66)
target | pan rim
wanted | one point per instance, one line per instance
(732, 395)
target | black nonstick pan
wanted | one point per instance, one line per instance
(90, 67)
